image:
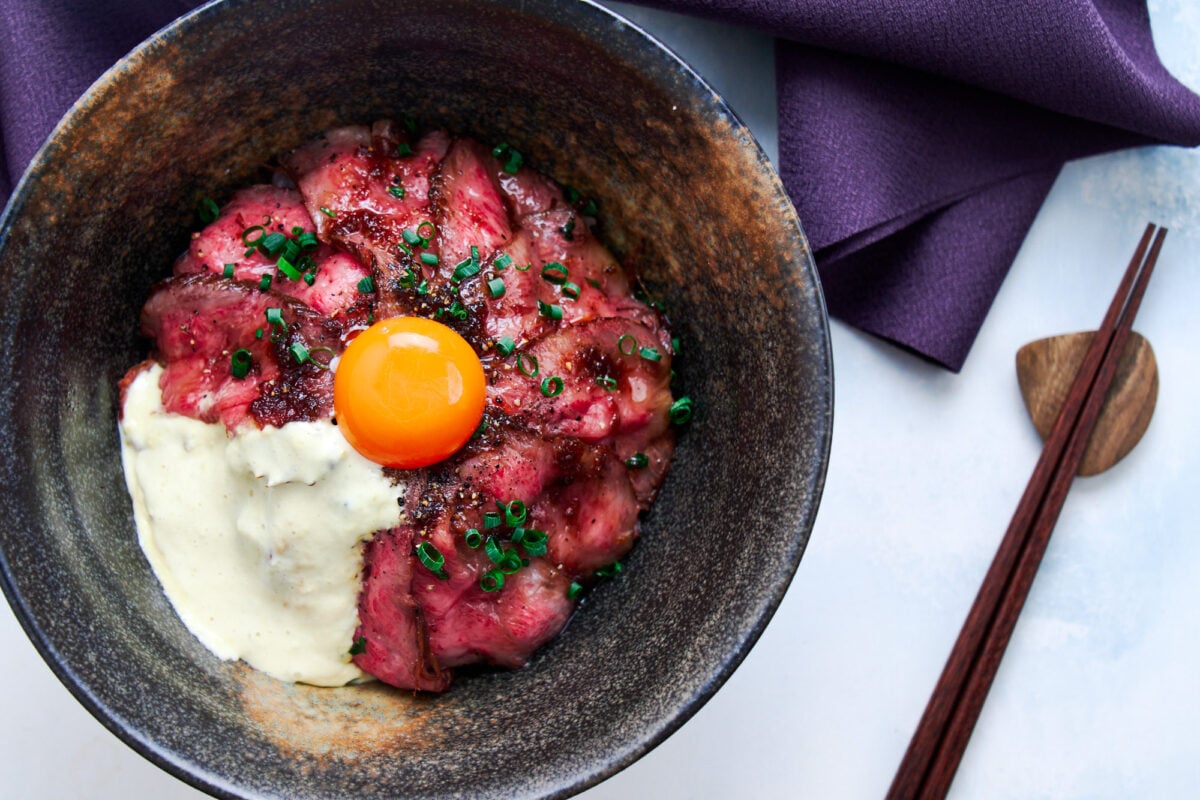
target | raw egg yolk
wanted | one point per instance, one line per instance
(408, 392)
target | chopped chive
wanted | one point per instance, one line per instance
(359, 647)
(609, 570)
(637, 461)
(264, 283)
(568, 230)
(513, 162)
(309, 278)
(515, 513)
(571, 194)
(523, 267)
(549, 311)
(496, 287)
(329, 212)
(675, 345)
(492, 519)
(552, 387)
(426, 236)
(554, 272)
(299, 353)
(505, 345)
(518, 535)
(239, 363)
(396, 191)
(525, 363)
(609, 383)
(458, 311)
(410, 236)
(534, 542)
(291, 249)
(228, 271)
(492, 581)
(681, 410)
(423, 288)
(500, 150)
(510, 563)
(272, 244)
(626, 339)
(502, 261)
(275, 318)
(253, 241)
(475, 254)
(570, 290)
(574, 590)
(321, 365)
(495, 553)
(432, 558)
(650, 354)
(307, 240)
(285, 266)
(473, 538)
(258, 333)
(595, 284)
(209, 210)
(463, 270)
(366, 285)
(429, 258)
(297, 230)
(404, 149)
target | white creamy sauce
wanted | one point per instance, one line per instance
(256, 539)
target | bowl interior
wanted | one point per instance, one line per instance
(688, 202)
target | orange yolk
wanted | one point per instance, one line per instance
(408, 392)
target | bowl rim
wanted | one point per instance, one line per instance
(680, 713)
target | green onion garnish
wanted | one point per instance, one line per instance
(309, 278)
(462, 270)
(534, 542)
(552, 387)
(299, 352)
(637, 461)
(228, 271)
(246, 235)
(675, 345)
(514, 161)
(404, 149)
(258, 333)
(554, 272)
(574, 590)
(571, 194)
(396, 191)
(568, 230)
(359, 647)
(595, 284)
(492, 519)
(366, 285)
(329, 212)
(549, 311)
(609, 570)
(681, 410)
(275, 318)
(525, 363)
(570, 290)
(499, 150)
(473, 538)
(475, 253)
(626, 339)
(650, 354)
(502, 261)
(429, 258)
(515, 513)
(510, 563)
(239, 363)
(410, 236)
(285, 266)
(423, 288)
(505, 345)
(496, 287)
(264, 283)
(458, 311)
(523, 267)
(272, 244)
(432, 558)
(609, 384)
(426, 236)
(494, 552)
(307, 240)
(209, 210)
(492, 581)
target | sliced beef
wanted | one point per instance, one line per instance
(222, 244)
(199, 321)
(366, 187)
(395, 643)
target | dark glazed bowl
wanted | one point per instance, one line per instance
(685, 195)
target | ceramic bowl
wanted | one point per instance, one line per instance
(685, 194)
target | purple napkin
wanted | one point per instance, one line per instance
(917, 139)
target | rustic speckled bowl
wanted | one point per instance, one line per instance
(685, 195)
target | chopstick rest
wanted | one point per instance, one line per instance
(1045, 369)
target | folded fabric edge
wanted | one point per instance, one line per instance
(928, 287)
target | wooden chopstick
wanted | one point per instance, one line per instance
(936, 748)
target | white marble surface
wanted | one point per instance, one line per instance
(1098, 695)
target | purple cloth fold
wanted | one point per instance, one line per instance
(917, 139)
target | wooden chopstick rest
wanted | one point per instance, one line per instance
(1045, 369)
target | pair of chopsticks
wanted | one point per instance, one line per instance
(937, 745)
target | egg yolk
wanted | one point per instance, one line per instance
(408, 392)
